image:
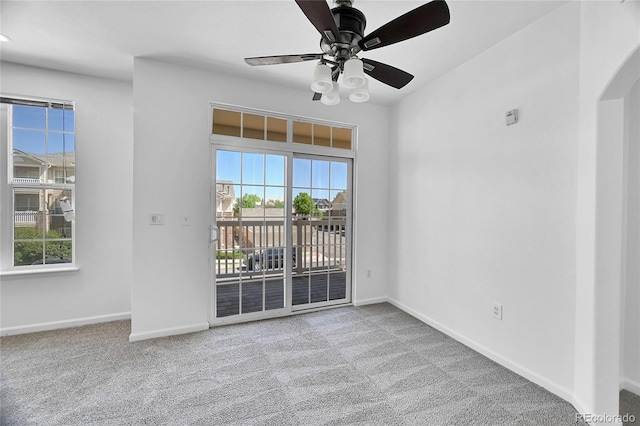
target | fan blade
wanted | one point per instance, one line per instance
(387, 74)
(318, 12)
(282, 59)
(317, 96)
(421, 20)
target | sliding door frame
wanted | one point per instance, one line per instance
(290, 151)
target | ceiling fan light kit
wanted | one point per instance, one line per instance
(360, 94)
(322, 82)
(332, 97)
(342, 38)
(353, 75)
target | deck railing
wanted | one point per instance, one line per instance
(252, 247)
(26, 218)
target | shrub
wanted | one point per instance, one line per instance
(28, 252)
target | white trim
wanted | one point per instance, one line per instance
(56, 325)
(371, 301)
(536, 378)
(15, 272)
(165, 332)
(630, 385)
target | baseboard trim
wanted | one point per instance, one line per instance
(630, 385)
(544, 382)
(165, 332)
(55, 325)
(370, 301)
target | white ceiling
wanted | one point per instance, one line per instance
(102, 37)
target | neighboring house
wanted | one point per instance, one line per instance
(30, 207)
(322, 204)
(339, 204)
(225, 198)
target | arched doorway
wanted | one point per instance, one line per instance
(616, 252)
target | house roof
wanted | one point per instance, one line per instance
(58, 159)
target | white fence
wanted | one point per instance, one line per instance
(24, 218)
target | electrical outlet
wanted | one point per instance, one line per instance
(185, 220)
(496, 311)
(368, 273)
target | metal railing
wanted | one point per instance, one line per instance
(252, 247)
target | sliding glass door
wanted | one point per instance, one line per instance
(320, 231)
(281, 233)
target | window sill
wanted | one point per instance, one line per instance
(18, 272)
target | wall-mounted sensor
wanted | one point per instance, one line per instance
(512, 117)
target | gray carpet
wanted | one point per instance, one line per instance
(353, 365)
(630, 404)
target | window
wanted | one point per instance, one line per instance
(41, 182)
(275, 129)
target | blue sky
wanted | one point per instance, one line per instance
(264, 175)
(30, 125)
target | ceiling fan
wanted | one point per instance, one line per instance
(342, 31)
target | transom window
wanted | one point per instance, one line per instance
(258, 126)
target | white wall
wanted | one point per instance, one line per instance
(490, 209)
(99, 290)
(171, 282)
(631, 290)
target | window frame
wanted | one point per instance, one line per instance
(43, 185)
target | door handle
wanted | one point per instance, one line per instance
(215, 234)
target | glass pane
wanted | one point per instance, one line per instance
(321, 135)
(275, 170)
(29, 213)
(320, 195)
(274, 199)
(253, 126)
(274, 294)
(341, 138)
(251, 201)
(300, 290)
(302, 132)
(25, 232)
(301, 172)
(29, 142)
(338, 175)
(61, 142)
(29, 117)
(337, 285)
(319, 288)
(276, 129)
(28, 253)
(58, 252)
(228, 166)
(227, 300)
(251, 297)
(338, 203)
(320, 174)
(226, 122)
(253, 169)
(61, 120)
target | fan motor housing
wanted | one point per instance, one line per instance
(351, 24)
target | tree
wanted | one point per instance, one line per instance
(304, 205)
(249, 201)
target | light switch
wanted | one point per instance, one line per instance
(156, 219)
